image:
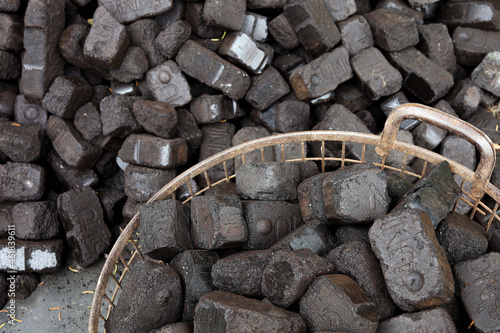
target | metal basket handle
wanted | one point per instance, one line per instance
(450, 123)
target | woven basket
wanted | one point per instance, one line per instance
(118, 264)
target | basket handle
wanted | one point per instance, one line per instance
(450, 123)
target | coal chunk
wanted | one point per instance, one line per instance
(289, 273)
(207, 67)
(435, 193)
(21, 142)
(415, 268)
(283, 32)
(268, 222)
(437, 45)
(314, 26)
(165, 229)
(314, 236)
(10, 66)
(66, 95)
(392, 30)
(160, 304)
(134, 65)
(82, 217)
(168, 84)
(376, 76)
(188, 129)
(334, 302)
(472, 45)
(342, 190)
(21, 182)
(125, 12)
(32, 256)
(36, 220)
(356, 34)
(356, 260)
(321, 75)
(211, 109)
(155, 152)
(70, 145)
(42, 62)
(480, 15)
(194, 268)
(141, 183)
(231, 312)
(422, 76)
(478, 280)
(434, 319)
(484, 75)
(225, 14)
(107, 41)
(117, 116)
(243, 50)
(241, 273)
(268, 181)
(266, 88)
(159, 118)
(169, 41)
(461, 238)
(217, 222)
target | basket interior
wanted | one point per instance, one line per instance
(483, 210)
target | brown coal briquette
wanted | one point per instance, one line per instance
(314, 26)
(33, 256)
(217, 222)
(289, 273)
(235, 313)
(36, 220)
(342, 190)
(415, 268)
(357, 260)
(472, 45)
(356, 34)
(435, 319)
(66, 95)
(225, 14)
(268, 181)
(435, 194)
(243, 50)
(322, 75)
(207, 67)
(169, 41)
(152, 151)
(21, 182)
(479, 280)
(42, 63)
(251, 133)
(211, 109)
(437, 45)
(334, 302)
(165, 229)
(21, 142)
(480, 15)
(83, 220)
(268, 222)
(461, 238)
(142, 33)
(107, 41)
(242, 273)
(283, 32)
(194, 268)
(168, 84)
(141, 183)
(160, 300)
(70, 145)
(158, 118)
(314, 236)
